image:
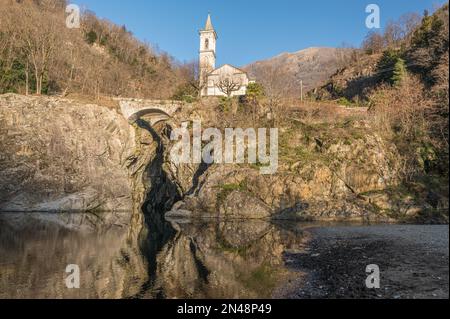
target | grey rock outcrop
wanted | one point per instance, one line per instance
(62, 155)
(313, 190)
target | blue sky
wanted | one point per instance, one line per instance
(249, 30)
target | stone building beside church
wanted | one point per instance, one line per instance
(226, 80)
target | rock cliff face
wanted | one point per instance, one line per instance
(314, 190)
(61, 155)
(80, 166)
(326, 172)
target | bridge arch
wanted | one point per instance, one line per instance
(156, 115)
(156, 111)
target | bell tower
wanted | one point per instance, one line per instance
(207, 60)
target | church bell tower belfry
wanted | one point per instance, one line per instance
(207, 60)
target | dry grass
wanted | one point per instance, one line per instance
(401, 114)
(102, 100)
(329, 112)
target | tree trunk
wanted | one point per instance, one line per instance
(27, 80)
(39, 87)
(36, 76)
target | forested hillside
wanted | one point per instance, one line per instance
(414, 45)
(39, 54)
(403, 78)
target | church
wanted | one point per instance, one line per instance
(226, 80)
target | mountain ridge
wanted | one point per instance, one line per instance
(313, 66)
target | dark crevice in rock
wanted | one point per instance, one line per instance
(202, 169)
(162, 194)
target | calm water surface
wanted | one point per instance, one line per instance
(171, 259)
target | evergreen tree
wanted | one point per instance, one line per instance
(385, 66)
(399, 73)
(12, 77)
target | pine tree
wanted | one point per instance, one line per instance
(399, 73)
(386, 65)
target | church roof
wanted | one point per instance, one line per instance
(209, 26)
(238, 70)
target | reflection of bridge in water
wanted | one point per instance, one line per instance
(155, 110)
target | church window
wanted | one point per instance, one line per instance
(207, 44)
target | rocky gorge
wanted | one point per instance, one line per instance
(63, 155)
(85, 169)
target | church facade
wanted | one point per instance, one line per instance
(226, 80)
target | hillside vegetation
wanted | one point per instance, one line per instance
(392, 94)
(39, 54)
(403, 80)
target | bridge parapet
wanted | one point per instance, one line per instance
(157, 110)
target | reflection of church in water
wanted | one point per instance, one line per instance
(226, 80)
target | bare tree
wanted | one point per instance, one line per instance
(228, 84)
(408, 23)
(39, 38)
(343, 54)
(277, 86)
(37, 49)
(393, 34)
(373, 43)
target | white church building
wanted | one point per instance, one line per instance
(226, 80)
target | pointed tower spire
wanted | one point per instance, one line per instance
(209, 26)
(207, 60)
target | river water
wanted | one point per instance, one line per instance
(221, 259)
(172, 259)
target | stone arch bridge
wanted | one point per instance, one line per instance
(155, 110)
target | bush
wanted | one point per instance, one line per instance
(401, 114)
(225, 103)
(12, 77)
(255, 91)
(344, 101)
(186, 92)
(91, 37)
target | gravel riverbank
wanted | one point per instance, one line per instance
(413, 262)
